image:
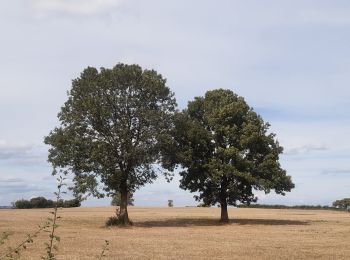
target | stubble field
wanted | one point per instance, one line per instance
(187, 233)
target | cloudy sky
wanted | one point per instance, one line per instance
(290, 60)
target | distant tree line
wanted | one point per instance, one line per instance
(342, 204)
(41, 202)
(268, 206)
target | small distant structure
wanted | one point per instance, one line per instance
(170, 203)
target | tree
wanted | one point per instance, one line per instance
(342, 204)
(40, 202)
(112, 127)
(116, 199)
(170, 203)
(73, 203)
(22, 204)
(226, 151)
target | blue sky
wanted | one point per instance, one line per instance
(290, 60)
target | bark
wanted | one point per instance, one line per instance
(123, 208)
(223, 201)
(224, 213)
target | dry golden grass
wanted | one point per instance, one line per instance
(189, 233)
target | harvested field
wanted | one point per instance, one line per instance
(188, 233)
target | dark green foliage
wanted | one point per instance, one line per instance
(112, 128)
(73, 203)
(342, 204)
(116, 199)
(170, 203)
(226, 151)
(115, 221)
(22, 204)
(203, 205)
(41, 202)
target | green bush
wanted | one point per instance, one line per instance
(41, 202)
(114, 221)
(22, 204)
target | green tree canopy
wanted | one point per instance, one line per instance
(226, 151)
(112, 127)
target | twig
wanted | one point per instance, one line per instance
(23, 245)
(104, 249)
(50, 246)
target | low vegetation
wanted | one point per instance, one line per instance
(41, 202)
(343, 204)
(268, 206)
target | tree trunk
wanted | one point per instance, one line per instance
(223, 200)
(224, 213)
(123, 208)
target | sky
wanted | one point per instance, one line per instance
(289, 59)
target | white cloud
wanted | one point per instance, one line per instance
(81, 7)
(22, 154)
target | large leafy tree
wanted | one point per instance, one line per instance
(111, 129)
(226, 151)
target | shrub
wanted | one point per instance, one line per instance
(22, 204)
(41, 202)
(115, 221)
(112, 221)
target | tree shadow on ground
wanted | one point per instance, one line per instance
(188, 222)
